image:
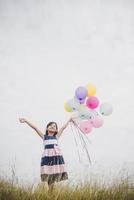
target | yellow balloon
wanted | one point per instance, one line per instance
(91, 89)
(66, 107)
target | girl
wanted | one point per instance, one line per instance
(52, 167)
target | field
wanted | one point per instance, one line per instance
(122, 189)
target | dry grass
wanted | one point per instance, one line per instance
(120, 190)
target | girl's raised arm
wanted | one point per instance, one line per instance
(63, 128)
(23, 120)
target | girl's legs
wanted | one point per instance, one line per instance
(51, 187)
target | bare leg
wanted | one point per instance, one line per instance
(51, 187)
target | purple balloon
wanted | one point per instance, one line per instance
(81, 93)
(80, 101)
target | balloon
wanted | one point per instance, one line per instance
(85, 126)
(93, 114)
(84, 112)
(82, 101)
(97, 121)
(81, 93)
(67, 108)
(92, 102)
(73, 104)
(106, 109)
(91, 89)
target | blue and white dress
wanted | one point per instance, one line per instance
(52, 162)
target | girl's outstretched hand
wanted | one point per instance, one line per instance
(22, 120)
(71, 119)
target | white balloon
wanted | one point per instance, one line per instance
(84, 112)
(93, 114)
(106, 109)
(73, 104)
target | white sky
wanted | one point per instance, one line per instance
(48, 49)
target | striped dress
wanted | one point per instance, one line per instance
(52, 162)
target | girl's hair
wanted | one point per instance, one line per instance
(49, 124)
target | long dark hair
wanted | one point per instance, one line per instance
(49, 124)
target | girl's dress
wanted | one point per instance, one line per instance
(52, 162)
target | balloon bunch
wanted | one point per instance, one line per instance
(85, 105)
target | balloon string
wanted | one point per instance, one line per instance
(79, 137)
(75, 142)
(84, 143)
(76, 125)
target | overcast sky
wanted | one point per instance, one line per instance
(48, 49)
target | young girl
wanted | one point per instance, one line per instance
(52, 167)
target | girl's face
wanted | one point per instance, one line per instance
(52, 128)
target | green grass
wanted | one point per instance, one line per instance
(122, 189)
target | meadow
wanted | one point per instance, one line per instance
(122, 189)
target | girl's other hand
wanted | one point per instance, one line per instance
(22, 120)
(71, 119)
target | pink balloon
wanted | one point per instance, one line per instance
(85, 126)
(92, 102)
(97, 122)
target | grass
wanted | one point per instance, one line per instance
(122, 189)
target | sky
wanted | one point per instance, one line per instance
(47, 50)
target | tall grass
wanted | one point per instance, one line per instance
(122, 189)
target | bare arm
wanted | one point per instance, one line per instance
(63, 128)
(22, 120)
